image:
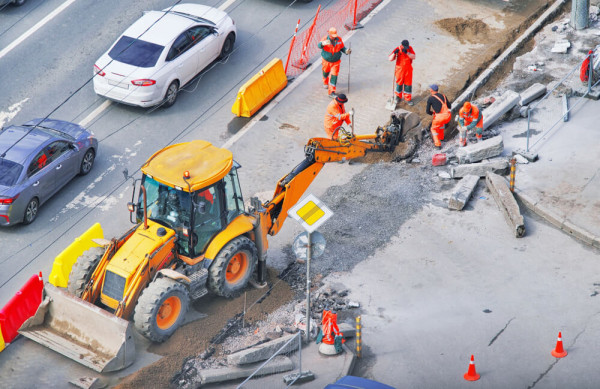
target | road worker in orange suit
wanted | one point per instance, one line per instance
(470, 116)
(439, 107)
(404, 55)
(336, 115)
(332, 48)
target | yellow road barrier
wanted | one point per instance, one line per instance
(261, 88)
(64, 261)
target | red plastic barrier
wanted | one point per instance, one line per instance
(21, 307)
(337, 15)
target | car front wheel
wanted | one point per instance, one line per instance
(31, 211)
(87, 162)
(171, 94)
(227, 46)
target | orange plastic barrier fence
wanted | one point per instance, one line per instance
(338, 15)
(21, 307)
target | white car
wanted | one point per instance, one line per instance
(161, 52)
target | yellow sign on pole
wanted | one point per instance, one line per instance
(310, 212)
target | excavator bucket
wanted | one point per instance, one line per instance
(81, 331)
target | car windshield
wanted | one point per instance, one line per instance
(169, 207)
(136, 52)
(9, 172)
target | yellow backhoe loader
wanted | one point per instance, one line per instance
(192, 236)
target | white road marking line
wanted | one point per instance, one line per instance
(107, 103)
(298, 81)
(88, 119)
(33, 29)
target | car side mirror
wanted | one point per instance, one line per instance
(215, 31)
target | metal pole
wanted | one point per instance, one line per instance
(513, 161)
(528, 124)
(308, 257)
(291, 46)
(299, 354)
(590, 72)
(358, 337)
(349, 56)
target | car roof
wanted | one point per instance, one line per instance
(21, 148)
(162, 28)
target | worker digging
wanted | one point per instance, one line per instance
(332, 48)
(404, 55)
(439, 107)
(469, 117)
(335, 116)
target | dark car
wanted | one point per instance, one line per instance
(36, 160)
(13, 2)
(351, 382)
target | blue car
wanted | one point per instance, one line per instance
(351, 382)
(36, 160)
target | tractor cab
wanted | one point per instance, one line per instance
(193, 189)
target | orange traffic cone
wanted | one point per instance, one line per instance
(559, 351)
(471, 375)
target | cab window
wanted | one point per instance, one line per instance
(198, 33)
(207, 217)
(233, 195)
(56, 149)
(39, 162)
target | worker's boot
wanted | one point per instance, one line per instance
(396, 100)
(410, 102)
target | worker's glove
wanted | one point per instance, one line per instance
(404, 50)
(352, 112)
(326, 42)
(348, 51)
(471, 126)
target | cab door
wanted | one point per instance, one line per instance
(62, 160)
(183, 60)
(206, 45)
(40, 179)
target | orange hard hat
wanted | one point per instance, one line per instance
(333, 32)
(467, 106)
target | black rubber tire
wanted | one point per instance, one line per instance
(217, 272)
(171, 94)
(227, 46)
(31, 211)
(149, 303)
(87, 162)
(18, 3)
(82, 270)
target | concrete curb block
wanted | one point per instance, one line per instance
(279, 364)
(484, 77)
(349, 362)
(557, 221)
(507, 203)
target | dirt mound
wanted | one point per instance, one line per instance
(469, 30)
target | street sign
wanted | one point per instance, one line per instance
(300, 245)
(310, 212)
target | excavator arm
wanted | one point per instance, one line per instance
(319, 151)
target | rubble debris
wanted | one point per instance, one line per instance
(524, 111)
(498, 166)
(565, 108)
(521, 159)
(444, 174)
(462, 192)
(561, 46)
(501, 106)
(482, 150)
(533, 92)
(278, 364)
(353, 304)
(489, 100)
(298, 378)
(261, 352)
(506, 202)
(529, 155)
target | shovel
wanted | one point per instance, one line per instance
(390, 104)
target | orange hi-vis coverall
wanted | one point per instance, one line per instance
(403, 73)
(440, 119)
(336, 115)
(330, 60)
(471, 119)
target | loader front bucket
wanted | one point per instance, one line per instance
(81, 331)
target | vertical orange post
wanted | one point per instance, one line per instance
(513, 161)
(355, 6)
(303, 59)
(291, 47)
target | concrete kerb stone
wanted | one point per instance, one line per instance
(506, 202)
(262, 352)
(502, 105)
(532, 93)
(484, 77)
(498, 166)
(278, 364)
(479, 151)
(349, 361)
(462, 192)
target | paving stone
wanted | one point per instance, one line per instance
(501, 106)
(261, 352)
(479, 151)
(462, 192)
(506, 202)
(561, 46)
(498, 166)
(278, 364)
(533, 92)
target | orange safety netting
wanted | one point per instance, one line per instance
(339, 15)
